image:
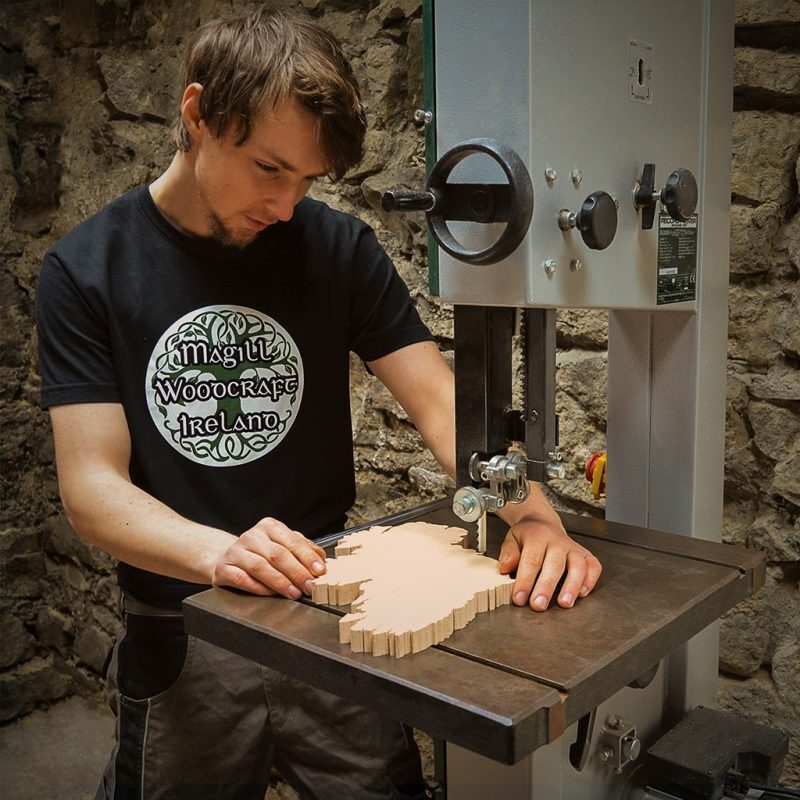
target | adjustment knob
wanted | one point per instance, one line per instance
(679, 195)
(597, 220)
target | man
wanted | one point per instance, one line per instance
(194, 347)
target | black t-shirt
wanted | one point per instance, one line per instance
(232, 365)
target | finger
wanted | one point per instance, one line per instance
(305, 552)
(593, 571)
(251, 573)
(549, 576)
(530, 564)
(509, 554)
(310, 555)
(574, 580)
(320, 552)
(287, 551)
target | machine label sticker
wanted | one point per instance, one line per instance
(677, 259)
(224, 385)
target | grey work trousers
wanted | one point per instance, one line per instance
(195, 721)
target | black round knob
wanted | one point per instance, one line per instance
(597, 220)
(679, 195)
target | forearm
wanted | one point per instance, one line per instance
(108, 511)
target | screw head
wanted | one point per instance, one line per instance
(577, 177)
(550, 175)
(576, 265)
(549, 265)
(422, 117)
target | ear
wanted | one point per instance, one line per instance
(190, 111)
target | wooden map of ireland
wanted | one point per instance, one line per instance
(409, 587)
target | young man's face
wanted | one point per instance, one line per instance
(241, 189)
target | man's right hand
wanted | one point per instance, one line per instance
(270, 559)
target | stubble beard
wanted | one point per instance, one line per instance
(220, 232)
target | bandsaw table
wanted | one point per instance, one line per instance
(512, 680)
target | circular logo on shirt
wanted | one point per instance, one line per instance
(224, 385)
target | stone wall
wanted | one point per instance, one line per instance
(87, 90)
(760, 639)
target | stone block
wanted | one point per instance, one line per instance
(773, 533)
(390, 12)
(139, 83)
(776, 430)
(753, 231)
(781, 382)
(17, 642)
(108, 620)
(376, 153)
(786, 670)
(21, 564)
(430, 482)
(743, 476)
(754, 331)
(743, 642)
(787, 248)
(582, 327)
(789, 324)
(764, 12)
(763, 69)
(765, 146)
(786, 479)
(36, 682)
(55, 630)
(415, 65)
(92, 645)
(584, 376)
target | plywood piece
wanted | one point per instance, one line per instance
(408, 586)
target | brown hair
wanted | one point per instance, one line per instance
(250, 64)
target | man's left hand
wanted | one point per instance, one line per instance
(541, 552)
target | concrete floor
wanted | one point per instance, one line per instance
(58, 754)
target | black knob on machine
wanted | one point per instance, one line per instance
(510, 202)
(679, 195)
(596, 220)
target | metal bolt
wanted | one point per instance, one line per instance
(577, 177)
(464, 505)
(533, 415)
(606, 754)
(422, 117)
(549, 265)
(550, 175)
(631, 748)
(576, 265)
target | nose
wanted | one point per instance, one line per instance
(284, 207)
(282, 202)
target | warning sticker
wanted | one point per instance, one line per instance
(677, 259)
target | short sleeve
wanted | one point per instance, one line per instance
(75, 358)
(382, 317)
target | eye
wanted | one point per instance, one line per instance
(266, 167)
